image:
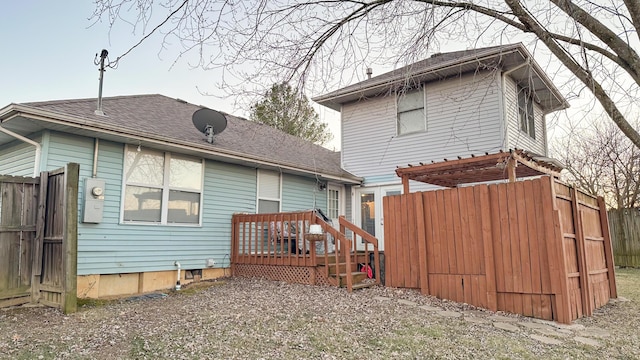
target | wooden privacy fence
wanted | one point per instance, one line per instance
(625, 236)
(38, 239)
(535, 247)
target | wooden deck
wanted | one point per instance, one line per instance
(280, 247)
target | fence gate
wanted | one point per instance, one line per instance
(38, 239)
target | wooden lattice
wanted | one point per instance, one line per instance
(291, 274)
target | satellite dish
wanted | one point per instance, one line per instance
(209, 122)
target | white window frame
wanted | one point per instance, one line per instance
(399, 95)
(165, 188)
(341, 199)
(261, 197)
(526, 116)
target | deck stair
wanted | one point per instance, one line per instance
(337, 272)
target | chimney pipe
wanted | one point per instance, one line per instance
(369, 72)
(103, 55)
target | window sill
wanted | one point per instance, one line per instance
(411, 133)
(527, 134)
(142, 223)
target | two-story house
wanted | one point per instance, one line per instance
(451, 104)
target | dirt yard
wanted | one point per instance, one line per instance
(258, 319)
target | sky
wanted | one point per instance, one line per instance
(49, 49)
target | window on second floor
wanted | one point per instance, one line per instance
(525, 112)
(161, 188)
(269, 190)
(411, 111)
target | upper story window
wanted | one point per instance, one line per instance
(525, 112)
(161, 188)
(269, 191)
(411, 111)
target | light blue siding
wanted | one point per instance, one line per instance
(111, 247)
(64, 148)
(300, 193)
(17, 159)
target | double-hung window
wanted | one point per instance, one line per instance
(268, 191)
(161, 188)
(525, 112)
(411, 111)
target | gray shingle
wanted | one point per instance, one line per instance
(424, 65)
(158, 115)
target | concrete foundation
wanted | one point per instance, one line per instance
(114, 285)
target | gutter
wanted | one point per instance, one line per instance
(36, 162)
(16, 110)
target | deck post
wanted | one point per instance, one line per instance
(405, 184)
(511, 168)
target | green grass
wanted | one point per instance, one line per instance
(628, 283)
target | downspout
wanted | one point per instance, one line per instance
(36, 165)
(504, 108)
(95, 157)
(178, 279)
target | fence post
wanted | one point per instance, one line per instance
(418, 200)
(585, 284)
(608, 251)
(555, 247)
(487, 214)
(70, 250)
(36, 264)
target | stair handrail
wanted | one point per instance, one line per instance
(368, 238)
(345, 246)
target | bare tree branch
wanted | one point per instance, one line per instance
(322, 41)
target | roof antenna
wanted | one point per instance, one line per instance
(103, 55)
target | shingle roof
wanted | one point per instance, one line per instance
(445, 65)
(160, 116)
(422, 65)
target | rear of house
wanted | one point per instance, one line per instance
(153, 192)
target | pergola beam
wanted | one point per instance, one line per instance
(489, 167)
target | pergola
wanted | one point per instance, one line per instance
(503, 165)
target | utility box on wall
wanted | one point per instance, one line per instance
(93, 200)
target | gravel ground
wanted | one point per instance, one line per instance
(258, 319)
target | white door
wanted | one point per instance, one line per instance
(335, 203)
(368, 210)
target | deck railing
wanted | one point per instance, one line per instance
(283, 239)
(271, 239)
(368, 240)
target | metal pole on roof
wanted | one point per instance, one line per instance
(103, 55)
